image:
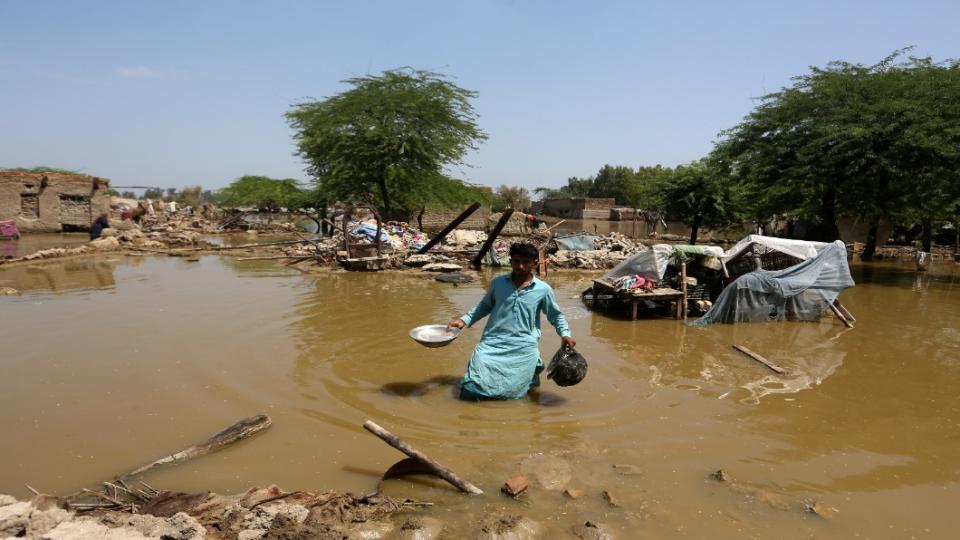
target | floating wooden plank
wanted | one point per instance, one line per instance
(759, 358)
(437, 468)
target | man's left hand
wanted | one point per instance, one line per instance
(568, 342)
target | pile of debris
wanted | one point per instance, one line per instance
(608, 251)
(257, 513)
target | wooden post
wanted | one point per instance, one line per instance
(843, 310)
(346, 235)
(683, 286)
(478, 260)
(437, 468)
(840, 316)
(542, 263)
(633, 309)
(451, 226)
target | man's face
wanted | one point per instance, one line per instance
(522, 265)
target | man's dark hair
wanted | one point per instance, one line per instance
(524, 251)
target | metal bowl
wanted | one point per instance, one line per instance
(434, 335)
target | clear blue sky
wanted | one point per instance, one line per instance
(177, 93)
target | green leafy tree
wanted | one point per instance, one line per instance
(576, 187)
(388, 139)
(870, 142)
(128, 195)
(699, 194)
(618, 183)
(264, 193)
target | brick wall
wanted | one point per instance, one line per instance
(44, 202)
(436, 219)
(598, 204)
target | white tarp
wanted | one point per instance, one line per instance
(650, 264)
(801, 249)
(802, 292)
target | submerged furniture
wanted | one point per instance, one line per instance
(653, 264)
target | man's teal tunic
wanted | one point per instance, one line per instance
(506, 363)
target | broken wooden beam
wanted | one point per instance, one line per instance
(759, 358)
(840, 316)
(844, 310)
(450, 226)
(478, 260)
(555, 225)
(240, 430)
(435, 467)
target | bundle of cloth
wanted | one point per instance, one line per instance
(634, 281)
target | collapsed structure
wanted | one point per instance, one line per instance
(52, 202)
(802, 292)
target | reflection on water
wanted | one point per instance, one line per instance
(28, 243)
(134, 358)
(86, 273)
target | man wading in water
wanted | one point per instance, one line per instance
(506, 363)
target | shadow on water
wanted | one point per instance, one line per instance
(410, 389)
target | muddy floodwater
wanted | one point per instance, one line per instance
(112, 362)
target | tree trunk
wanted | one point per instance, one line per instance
(927, 234)
(420, 218)
(956, 239)
(828, 212)
(384, 196)
(695, 228)
(871, 246)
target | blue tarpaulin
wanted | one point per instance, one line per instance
(368, 231)
(576, 242)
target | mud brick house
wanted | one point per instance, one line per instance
(578, 207)
(52, 202)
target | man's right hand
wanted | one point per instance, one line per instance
(456, 323)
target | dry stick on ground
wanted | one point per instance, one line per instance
(759, 358)
(104, 497)
(240, 430)
(437, 468)
(117, 489)
(35, 492)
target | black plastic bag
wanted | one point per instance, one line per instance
(567, 368)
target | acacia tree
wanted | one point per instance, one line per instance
(389, 138)
(869, 142)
